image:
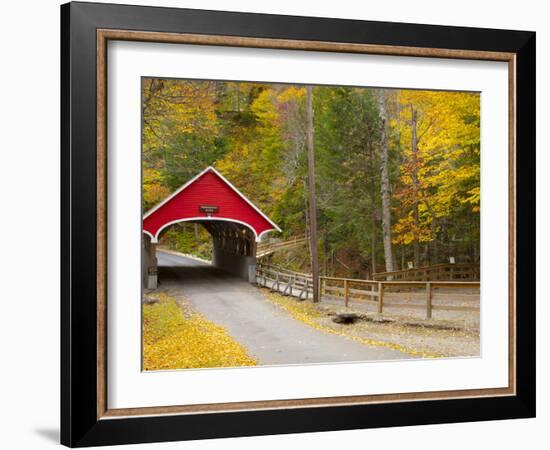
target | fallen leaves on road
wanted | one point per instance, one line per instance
(310, 314)
(176, 337)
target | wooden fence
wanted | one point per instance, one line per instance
(428, 296)
(266, 248)
(437, 272)
(285, 281)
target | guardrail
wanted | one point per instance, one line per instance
(437, 272)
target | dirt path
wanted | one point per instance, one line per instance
(270, 335)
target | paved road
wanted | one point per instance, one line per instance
(269, 334)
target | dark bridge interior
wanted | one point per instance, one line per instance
(233, 250)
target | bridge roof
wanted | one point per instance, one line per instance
(209, 196)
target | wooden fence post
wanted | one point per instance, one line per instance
(380, 297)
(346, 293)
(428, 300)
(275, 282)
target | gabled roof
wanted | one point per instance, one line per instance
(207, 188)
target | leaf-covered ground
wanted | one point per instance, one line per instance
(176, 337)
(422, 340)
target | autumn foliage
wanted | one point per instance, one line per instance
(176, 337)
(408, 158)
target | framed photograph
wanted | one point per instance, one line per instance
(276, 224)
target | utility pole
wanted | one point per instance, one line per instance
(312, 197)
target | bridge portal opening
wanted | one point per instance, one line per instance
(235, 224)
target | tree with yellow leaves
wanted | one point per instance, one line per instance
(439, 136)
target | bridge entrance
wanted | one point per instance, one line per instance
(234, 222)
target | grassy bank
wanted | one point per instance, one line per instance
(176, 337)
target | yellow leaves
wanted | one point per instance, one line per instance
(154, 193)
(443, 172)
(263, 107)
(174, 107)
(445, 120)
(292, 93)
(180, 338)
(153, 189)
(405, 231)
(473, 198)
(308, 313)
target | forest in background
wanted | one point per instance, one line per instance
(397, 171)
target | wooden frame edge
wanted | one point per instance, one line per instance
(101, 223)
(303, 403)
(103, 36)
(512, 200)
(289, 44)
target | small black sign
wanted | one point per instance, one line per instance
(208, 209)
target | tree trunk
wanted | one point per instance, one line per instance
(312, 196)
(325, 256)
(373, 216)
(385, 184)
(306, 211)
(414, 174)
(373, 231)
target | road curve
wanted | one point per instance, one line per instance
(270, 334)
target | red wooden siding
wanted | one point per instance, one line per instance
(212, 190)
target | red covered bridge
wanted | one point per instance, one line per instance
(209, 199)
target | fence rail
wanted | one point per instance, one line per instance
(423, 295)
(266, 248)
(437, 272)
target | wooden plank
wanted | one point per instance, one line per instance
(351, 291)
(449, 284)
(346, 293)
(364, 292)
(416, 298)
(433, 273)
(455, 308)
(455, 298)
(380, 297)
(428, 301)
(352, 280)
(289, 283)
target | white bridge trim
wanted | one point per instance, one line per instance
(198, 219)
